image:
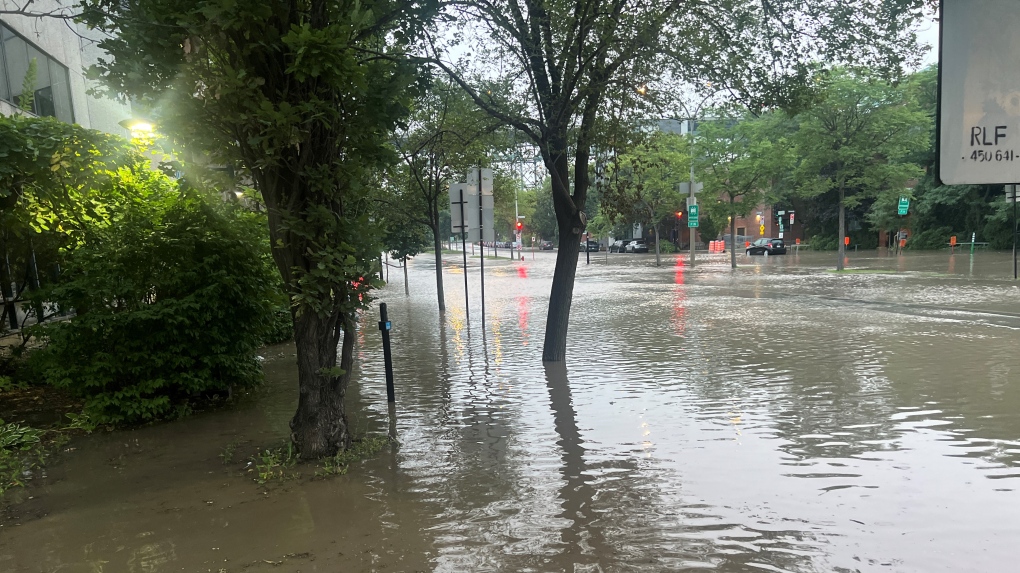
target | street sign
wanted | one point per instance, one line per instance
(472, 179)
(692, 216)
(472, 217)
(761, 230)
(979, 117)
(792, 213)
(903, 207)
(781, 229)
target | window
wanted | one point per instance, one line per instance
(51, 91)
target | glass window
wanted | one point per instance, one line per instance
(51, 91)
(61, 86)
(16, 57)
(5, 92)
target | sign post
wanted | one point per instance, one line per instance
(978, 108)
(903, 206)
(1011, 196)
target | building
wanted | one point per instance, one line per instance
(62, 51)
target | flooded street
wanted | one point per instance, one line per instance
(778, 418)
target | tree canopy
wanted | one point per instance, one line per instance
(305, 98)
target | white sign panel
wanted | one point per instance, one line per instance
(979, 137)
(472, 179)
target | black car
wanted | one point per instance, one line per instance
(592, 247)
(637, 246)
(545, 246)
(767, 247)
(618, 246)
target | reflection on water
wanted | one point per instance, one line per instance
(776, 418)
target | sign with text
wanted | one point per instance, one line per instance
(979, 121)
(692, 215)
(903, 206)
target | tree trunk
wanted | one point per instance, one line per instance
(568, 221)
(842, 229)
(438, 245)
(733, 236)
(655, 231)
(319, 427)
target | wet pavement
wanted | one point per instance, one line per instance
(777, 418)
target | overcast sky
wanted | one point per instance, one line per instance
(929, 34)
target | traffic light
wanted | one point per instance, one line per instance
(520, 226)
(679, 214)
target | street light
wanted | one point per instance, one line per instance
(691, 117)
(139, 128)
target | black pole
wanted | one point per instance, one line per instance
(481, 234)
(1014, 232)
(384, 326)
(587, 255)
(463, 247)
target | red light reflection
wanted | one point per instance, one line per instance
(679, 299)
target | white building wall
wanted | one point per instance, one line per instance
(62, 40)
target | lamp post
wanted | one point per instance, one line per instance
(691, 200)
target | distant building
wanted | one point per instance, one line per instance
(62, 51)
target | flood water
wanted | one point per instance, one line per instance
(778, 418)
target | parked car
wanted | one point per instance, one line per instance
(545, 246)
(637, 246)
(618, 246)
(767, 247)
(591, 247)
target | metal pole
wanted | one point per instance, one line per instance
(481, 233)
(1014, 232)
(690, 201)
(463, 248)
(384, 326)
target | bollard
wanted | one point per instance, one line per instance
(384, 326)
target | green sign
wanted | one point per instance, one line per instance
(903, 207)
(692, 215)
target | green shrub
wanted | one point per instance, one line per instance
(823, 243)
(930, 239)
(20, 451)
(171, 301)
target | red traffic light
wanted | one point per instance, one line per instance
(679, 214)
(520, 225)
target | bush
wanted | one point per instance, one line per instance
(20, 451)
(930, 239)
(172, 302)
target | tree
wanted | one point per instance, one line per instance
(446, 136)
(305, 97)
(551, 68)
(404, 239)
(741, 161)
(854, 140)
(645, 181)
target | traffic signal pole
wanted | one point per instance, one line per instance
(690, 201)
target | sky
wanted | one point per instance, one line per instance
(929, 34)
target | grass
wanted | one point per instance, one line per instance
(274, 464)
(281, 463)
(359, 450)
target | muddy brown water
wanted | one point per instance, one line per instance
(780, 418)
